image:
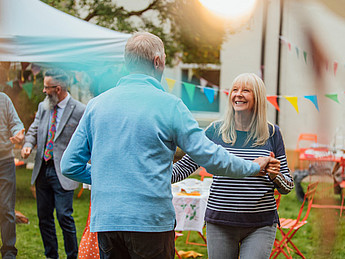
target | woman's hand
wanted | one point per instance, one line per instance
(273, 167)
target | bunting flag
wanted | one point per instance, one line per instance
(313, 99)
(226, 92)
(10, 83)
(35, 69)
(28, 89)
(305, 56)
(190, 88)
(24, 65)
(335, 67)
(203, 82)
(297, 51)
(333, 97)
(293, 101)
(273, 101)
(171, 83)
(190, 74)
(209, 92)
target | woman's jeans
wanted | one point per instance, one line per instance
(136, 245)
(229, 242)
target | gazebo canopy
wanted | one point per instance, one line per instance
(32, 31)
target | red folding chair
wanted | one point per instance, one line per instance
(342, 185)
(177, 234)
(277, 197)
(285, 245)
(302, 137)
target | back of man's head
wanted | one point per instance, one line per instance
(140, 51)
(59, 77)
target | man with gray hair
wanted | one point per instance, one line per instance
(11, 132)
(56, 119)
(130, 134)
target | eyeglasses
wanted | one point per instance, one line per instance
(52, 86)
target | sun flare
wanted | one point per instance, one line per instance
(230, 9)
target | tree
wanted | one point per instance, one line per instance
(191, 34)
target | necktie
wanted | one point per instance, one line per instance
(48, 153)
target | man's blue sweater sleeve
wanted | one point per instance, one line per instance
(192, 140)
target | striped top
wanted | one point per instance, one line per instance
(246, 202)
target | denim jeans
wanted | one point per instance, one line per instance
(7, 204)
(136, 245)
(50, 195)
(229, 242)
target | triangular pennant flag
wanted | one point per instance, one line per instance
(203, 82)
(335, 67)
(293, 101)
(190, 88)
(24, 65)
(226, 92)
(190, 74)
(28, 89)
(297, 51)
(313, 99)
(333, 97)
(273, 100)
(10, 83)
(35, 69)
(209, 92)
(305, 56)
(171, 83)
(289, 45)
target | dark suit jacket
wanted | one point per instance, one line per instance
(37, 135)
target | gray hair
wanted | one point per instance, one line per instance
(59, 77)
(141, 50)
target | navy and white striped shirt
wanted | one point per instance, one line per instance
(249, 201)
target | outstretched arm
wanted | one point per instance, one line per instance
(183, 168)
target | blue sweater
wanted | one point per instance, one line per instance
(130, 134)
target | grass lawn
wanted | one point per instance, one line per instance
(322, 237)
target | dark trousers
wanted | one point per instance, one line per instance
(136, 245)
(50, 195)
(7, 204)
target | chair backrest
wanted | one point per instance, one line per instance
(203, 173)
(277, 197)
(306, 137)
(308, 199)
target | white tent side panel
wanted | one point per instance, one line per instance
(31, 31)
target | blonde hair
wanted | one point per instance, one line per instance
(258, 128)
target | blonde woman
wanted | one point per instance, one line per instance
(241, 215)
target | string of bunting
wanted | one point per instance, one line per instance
(299, 51)
(210, 94)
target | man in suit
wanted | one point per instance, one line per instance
(56, 120)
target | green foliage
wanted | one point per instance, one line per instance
(29, 242)
(190, 33)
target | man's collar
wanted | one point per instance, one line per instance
(62, 104)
